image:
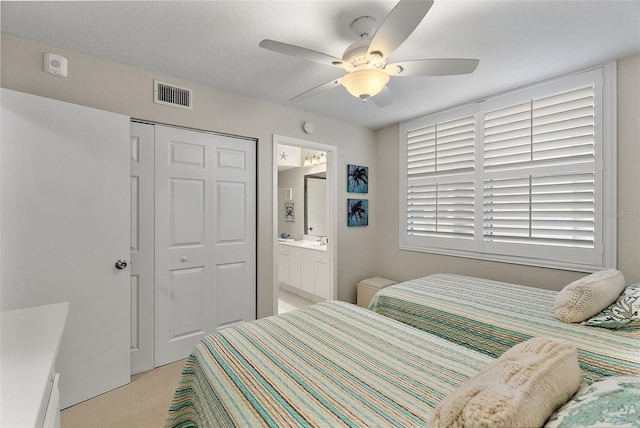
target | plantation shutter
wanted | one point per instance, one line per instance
(523, 177)
(437, 206)
(552, 139)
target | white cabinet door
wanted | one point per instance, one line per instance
(316, 273)
(65, 222)
(205, 237)
(295, 268)
(307, 280)
(321, 277)
(283, 267)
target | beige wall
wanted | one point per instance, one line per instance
(126, 90)
(362, 251)
(629, 167)
(402, 265)
(294, 179)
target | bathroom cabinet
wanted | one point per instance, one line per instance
(304, 268)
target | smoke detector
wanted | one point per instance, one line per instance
(364, 27)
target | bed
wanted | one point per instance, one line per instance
(331, 364)
(423, 343)
(490, 317)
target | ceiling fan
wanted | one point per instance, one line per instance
(365, 61)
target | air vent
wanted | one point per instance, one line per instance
(171, 95)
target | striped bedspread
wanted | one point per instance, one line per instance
(489, 317)
(331, 364)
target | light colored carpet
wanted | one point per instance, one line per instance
(142, 403)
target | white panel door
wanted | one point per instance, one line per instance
(142, 247)
(65, 222)
(234, 235)
(316, 206)
(205, 237)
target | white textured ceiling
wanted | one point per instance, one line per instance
(215, 43)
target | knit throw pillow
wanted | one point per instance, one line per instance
(522, 388)
(589, 295)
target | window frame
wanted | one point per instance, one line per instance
(604, 253)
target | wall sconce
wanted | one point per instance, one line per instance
(316, 158)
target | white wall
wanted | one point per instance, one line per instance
(127, 90)
(402, 265)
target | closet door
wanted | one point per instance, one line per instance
(142, 247)
(205, 237)
(65, 222)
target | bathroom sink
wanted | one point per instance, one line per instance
(309, 244)
(314, 245)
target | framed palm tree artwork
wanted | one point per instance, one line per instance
(357, 212)
(357, 179)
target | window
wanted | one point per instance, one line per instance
(519, 177)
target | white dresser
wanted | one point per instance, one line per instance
(30, 341)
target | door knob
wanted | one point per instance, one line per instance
(121, 264)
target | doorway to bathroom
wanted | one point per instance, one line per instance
(305, 223)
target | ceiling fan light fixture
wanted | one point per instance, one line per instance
(365, 83)
(365, 60)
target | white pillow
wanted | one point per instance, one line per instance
(522, 388)
(589, 295)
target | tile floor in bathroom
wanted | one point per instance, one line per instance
(289, 302)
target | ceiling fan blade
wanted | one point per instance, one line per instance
(398, 25)
(318, 89)
(299, 52)
(432, 67)
(383, 98)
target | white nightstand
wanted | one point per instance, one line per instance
(367, 288)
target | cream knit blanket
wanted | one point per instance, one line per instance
(522, 388)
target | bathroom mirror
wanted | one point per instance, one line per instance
(315, 202)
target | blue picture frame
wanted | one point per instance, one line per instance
(357, 179)
(357, 212)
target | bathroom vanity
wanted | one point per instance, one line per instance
(303, 265)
